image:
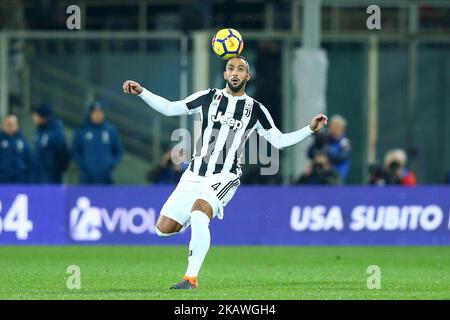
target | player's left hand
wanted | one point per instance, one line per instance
(318, 122)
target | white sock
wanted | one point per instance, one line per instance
(200, 241)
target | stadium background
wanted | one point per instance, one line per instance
(47, 62)
(390, 84)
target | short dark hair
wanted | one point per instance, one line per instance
(243, 58)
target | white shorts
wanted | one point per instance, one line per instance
(217, 190)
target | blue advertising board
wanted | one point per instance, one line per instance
(260, 215)
(33, 215)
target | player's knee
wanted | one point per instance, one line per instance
(166, 227)
(204, 206)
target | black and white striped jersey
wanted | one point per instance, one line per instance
(227, 122)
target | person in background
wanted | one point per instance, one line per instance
(169, 169)
(15, 153)
(376, 174)
(394, 170)
(96, 147)
(320, 171)
(395, 162)
(335, 145)
(52, 153)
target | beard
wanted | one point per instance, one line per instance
(238, 87)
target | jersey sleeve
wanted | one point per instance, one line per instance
(195, 101)
(267, 129)
(264, 123)
(189, 105)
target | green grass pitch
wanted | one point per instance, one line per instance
(139, 272)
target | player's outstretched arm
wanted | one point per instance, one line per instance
(160, 104)
(282, 140)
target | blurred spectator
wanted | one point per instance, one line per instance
(335, 144)
(376, 173)
(52, 153)
(320, 171)
(394, 170)
(96, 147)
(15, 153)
(168, 171)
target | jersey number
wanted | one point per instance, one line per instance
(215, 186)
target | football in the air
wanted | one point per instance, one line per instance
(227, 43)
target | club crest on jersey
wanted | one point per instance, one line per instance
(248, 109)
(230, 121)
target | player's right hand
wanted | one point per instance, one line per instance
(318, 122)
(133, 87)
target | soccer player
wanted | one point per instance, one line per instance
(229, 116)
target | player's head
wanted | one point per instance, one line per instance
(237, 73)
(10, 125)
